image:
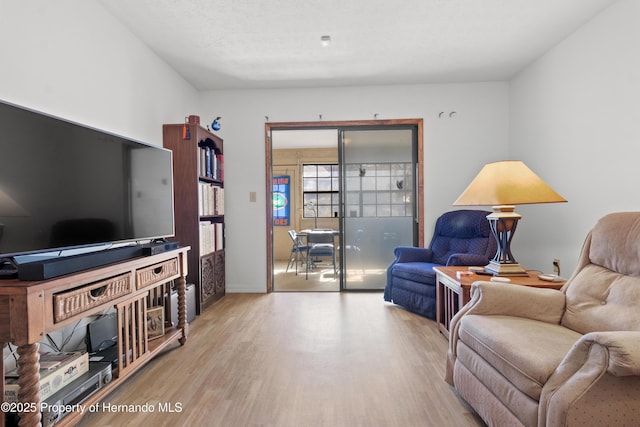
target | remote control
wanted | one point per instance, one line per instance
(551, 277)
(8, 270)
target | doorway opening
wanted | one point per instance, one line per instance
(357, 185)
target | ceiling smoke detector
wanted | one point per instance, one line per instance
(325, 41)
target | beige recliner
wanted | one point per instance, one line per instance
(540, 357)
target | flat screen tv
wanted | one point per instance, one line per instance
(66, 188)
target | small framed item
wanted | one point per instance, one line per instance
(155, 322)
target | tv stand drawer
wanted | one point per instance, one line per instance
(157, 273)
(70, 303)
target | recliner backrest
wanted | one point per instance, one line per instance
(462, 231)
(603, 294)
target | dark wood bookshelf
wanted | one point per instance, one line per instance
(191, 176)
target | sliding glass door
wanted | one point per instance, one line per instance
(378, 200)
(360, 180)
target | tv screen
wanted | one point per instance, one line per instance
(64, 185)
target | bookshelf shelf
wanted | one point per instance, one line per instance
(212, 217)
(210, 180)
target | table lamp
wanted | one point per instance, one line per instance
(502, 185)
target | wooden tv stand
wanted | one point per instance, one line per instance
(31, 309)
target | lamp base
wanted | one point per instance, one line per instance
(503, 222)
(510, 269)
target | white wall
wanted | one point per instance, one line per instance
(575, 120)
(455, 148)
(73, 60)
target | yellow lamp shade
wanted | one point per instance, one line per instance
(508, 182)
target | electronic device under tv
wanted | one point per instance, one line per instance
(102, 339)
(73, 197)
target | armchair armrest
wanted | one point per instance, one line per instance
(405, 254)
(622, 356)
(467, 259)
(506, 299)
(624, 351)
(412, 254)
(601, 364)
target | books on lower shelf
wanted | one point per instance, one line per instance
(211, 199)
(211, 237)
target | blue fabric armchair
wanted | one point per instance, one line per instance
(461, 237)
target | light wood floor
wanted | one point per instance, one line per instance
(298, 359)
(318, 280)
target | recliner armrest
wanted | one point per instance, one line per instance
(623, 352)
(595, 365)
(412, 254)
(507, 299)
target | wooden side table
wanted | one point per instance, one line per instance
(453, 293)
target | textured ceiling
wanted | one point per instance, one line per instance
(233, 44)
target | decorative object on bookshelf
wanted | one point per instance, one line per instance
(194, 120)
(155, 322)
(215, 125)
(186, 134)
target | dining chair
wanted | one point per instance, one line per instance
(320, 244)
(298, 251)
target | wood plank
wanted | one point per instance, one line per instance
(297, 359)
(5, 318)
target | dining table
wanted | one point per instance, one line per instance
(304, 235)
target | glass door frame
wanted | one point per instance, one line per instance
(364, 124)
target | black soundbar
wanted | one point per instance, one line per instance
(54, 267)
